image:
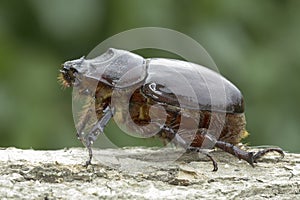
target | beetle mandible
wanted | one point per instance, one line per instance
(152, 79)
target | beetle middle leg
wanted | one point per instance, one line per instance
(179, 141)
(206, 153)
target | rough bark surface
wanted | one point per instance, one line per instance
(144, 173)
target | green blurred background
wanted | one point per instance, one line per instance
(254, 43)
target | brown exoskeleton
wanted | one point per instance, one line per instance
(210, 105)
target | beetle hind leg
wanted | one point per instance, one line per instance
(250, 157)
(261, 153)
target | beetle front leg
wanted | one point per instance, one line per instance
(96, 130)
(85, 117)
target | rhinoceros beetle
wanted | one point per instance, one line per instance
(213, 108)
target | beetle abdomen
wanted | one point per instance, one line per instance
(232, 131)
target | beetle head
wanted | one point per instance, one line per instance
(68, 73)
